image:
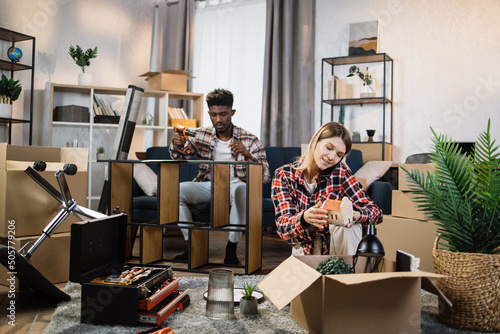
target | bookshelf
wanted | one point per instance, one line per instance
(99, 132)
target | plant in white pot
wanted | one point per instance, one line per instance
(100, 153)
(249, 303)
(10, 90)
(82, 59)
(462, 196)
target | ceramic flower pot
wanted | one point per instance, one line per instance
(249, 306)
(5, 110)
(85, 79)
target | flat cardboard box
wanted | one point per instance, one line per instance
(411, 235)
(24, 205)
(171, 80)
(403, 206)
(51, 258)
(381, 302)
(403, 183)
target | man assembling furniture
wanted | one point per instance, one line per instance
(222, 142)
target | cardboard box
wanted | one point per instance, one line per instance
(25, 206)
(171, 80)
(411, 235)
(422, 168)
(51, 258)
(404, 206)
(382, 302)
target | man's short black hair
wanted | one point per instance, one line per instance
(220, 97)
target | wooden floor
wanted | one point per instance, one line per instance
(34, 312)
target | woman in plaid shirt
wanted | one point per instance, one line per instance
(300, 188)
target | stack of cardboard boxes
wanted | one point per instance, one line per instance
(407, 228)
(26, 208)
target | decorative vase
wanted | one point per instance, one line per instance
(367, 90)
(85, 79)
(100, 156)
(370, 134)
(356, 138)
(5, 110)
(249, 306)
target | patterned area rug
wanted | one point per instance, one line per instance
(66, 318)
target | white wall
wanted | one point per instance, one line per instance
(446, 73)
(445, 70)
(120, 29)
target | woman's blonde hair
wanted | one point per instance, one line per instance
(328, 130)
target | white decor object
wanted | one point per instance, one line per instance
(373, 170)
(5, 110)
(85, 79)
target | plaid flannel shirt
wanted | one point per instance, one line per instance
(291, 198)
(203, 144)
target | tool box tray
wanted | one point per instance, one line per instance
(112, 291)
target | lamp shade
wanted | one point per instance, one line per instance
(371, 247)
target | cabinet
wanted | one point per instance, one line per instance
(361, 113)
(93, 134)
(22, 41)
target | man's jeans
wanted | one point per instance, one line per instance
(193, 193)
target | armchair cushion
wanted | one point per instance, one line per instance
(146, 179)
(372, 171)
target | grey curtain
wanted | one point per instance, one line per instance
(172, 46)
(288, 93)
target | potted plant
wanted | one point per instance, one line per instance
(367, 79)
(248, 303)
(82, 59)
(10, 90)
(100, 153)
(356, 137)
(462, 196)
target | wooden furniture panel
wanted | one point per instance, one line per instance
(220, 201)
(254, 222)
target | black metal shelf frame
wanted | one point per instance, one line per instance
(385, 100)
(14, 37)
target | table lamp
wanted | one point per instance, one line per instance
(371, 247)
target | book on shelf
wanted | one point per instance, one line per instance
(177, 113)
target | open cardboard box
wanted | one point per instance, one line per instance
(25, 207)
(381, 302)
(171, 80)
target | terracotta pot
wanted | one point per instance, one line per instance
(249, 306)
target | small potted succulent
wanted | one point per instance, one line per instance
(82, 59)
(100, 153)
(10, 90)
(356, 137)
(248, 303)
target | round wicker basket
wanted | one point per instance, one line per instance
(473, 286)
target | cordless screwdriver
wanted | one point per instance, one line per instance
(186, 133)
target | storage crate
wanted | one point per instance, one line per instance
(71, 113)
(188, 123)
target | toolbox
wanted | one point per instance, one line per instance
(113, 292)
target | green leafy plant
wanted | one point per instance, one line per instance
(10, 90)
(463, 194)
(100, 149)
(334, 266)
(355, 133)
(81, 58)
(248, 289)
(363, 75)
